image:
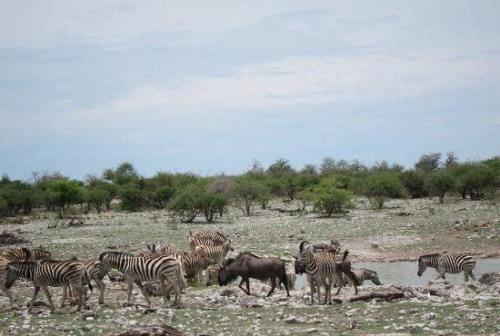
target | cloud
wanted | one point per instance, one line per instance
(38, 23)
(304, 81)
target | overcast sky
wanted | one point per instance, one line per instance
(209, 86)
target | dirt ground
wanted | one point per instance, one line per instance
(401, 231)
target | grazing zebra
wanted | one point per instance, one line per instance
(206, 238)
(193, 265)
(50, 273)
(92, 267)
(215, 254)
(362, 275)
(162, 249)
(323, 268)
(138, 269)
(447, 263)
(25, 254)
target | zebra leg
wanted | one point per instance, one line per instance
(7, 292)
(143, 291)
(466, 276)
(47, 294)
(472, 275)
(35, 294)
(130, 283)
(273, 286)
(101, 286)
(63, 299)
(164, 290)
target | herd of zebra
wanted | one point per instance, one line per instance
(168, 267)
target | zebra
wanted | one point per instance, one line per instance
(323, 268)
(25, 254)
(92, 267)
(138, 269)
(49, 273)
(447, 263)
(206, 238)
(215, 254)
(193, 265)
(164, 248)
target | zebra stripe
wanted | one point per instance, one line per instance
(206, 238)
(447, 263)
(25, 254)
(49, 273)
(162, 249)
(138, 269)
(215, 254)
(194, 264)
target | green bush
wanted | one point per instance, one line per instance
(132, 198)
(62, 192)
(247, 191)
(380, 187)
(328, 198)
(440, 183)
(199, 198)
(414, 183)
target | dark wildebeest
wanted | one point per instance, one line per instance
(333, 246)
(248, 265)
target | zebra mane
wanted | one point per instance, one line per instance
(115, 253)
(302, 244)
(344, 256)
(221, 235)
(429, 256)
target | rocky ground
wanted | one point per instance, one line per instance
(403, 230)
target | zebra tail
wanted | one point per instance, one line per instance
(346, 252)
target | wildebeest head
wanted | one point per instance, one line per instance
(225, 276)
(300, 267)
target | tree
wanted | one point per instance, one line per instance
(247, 191)
(328, 166)
(125, 173)
(440, 183)
(428, 162)
(62, 192)
(379, 187)
(280, 168)
(451, 160)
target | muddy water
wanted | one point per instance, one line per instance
(405, 272)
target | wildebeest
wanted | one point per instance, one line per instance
(333, 246)
(247, 265)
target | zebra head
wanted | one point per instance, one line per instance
(16, 270)
(306, 255)
(422, 265)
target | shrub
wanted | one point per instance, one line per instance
(428, 162)
(328, 198)
(440, 183)
(196, 199)
(132, 198)
(414, 183)
(380, 187)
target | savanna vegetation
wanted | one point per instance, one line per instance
(327, 189)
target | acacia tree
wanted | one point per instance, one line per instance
(247, 192)
(440, 183)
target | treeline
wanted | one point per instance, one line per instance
(327, 189)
